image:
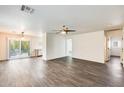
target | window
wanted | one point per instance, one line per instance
(116, 44)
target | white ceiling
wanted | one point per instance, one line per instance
(47, 18)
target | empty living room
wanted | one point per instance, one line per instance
(61, 45)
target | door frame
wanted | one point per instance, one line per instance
(107, 39)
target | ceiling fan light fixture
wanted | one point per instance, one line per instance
(63, 32)
(22, 36)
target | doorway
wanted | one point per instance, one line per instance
(18, 48)
(115, 46)
(69, 47)
(113, 43)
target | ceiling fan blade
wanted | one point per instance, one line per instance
(58, 32)
(70, 30)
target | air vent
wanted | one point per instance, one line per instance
(27, 9)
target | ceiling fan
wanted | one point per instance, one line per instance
(64, 30)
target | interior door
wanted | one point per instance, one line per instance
(69, 47)
(122, 50)
(107, 47)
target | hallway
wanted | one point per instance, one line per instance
(115, 63)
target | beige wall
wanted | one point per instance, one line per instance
(36, 42)
(116, 33)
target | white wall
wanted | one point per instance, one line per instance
(88, 46)
(44, 46)
(36, 43)
(55, 46)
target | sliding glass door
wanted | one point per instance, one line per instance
(19, 48)
(14, 48)
(25, 48)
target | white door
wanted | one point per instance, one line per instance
(108, 49)
(69, 47)
(122, 50)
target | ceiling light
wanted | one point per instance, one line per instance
(22, 37)
(63, 32)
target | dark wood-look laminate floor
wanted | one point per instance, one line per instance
(63, 72)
